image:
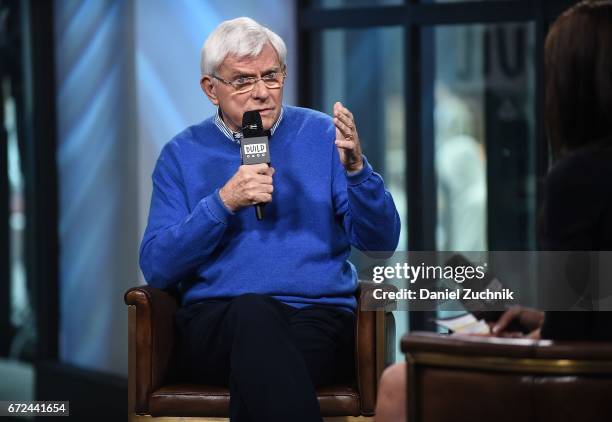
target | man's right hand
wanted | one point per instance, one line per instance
(252, 184)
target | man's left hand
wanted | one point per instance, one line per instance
(347, 139)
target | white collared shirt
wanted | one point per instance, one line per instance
(237, 136)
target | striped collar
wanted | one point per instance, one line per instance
(237, 136)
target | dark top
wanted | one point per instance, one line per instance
(577, 216)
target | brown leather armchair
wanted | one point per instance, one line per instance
(151, 344)
(464, 378)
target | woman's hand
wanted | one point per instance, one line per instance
(530, 320)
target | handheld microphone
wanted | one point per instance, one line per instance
(254, 146)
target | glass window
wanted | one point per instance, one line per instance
(18, 318)
(21, 313)
(483, 130)
(364, 69)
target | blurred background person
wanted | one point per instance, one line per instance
(461, 172)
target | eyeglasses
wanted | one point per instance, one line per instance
(242, 85)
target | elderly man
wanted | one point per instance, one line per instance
(267, 306)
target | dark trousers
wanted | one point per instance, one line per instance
(270, 354)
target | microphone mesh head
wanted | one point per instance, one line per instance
(251, 120)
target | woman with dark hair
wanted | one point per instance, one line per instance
(578, 63)
(577, 212)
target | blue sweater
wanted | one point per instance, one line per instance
(299, 252)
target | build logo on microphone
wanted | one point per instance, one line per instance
(255, 150)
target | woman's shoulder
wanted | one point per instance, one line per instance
(587, 166)
(578, 201)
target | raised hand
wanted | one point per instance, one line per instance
(347, 139)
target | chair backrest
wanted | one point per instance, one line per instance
(461, 378)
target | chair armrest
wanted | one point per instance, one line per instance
(370, 343)
(151, 340)
(519, 348)
(428, 342)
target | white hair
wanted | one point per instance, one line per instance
(240, 37)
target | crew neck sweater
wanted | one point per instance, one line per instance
(299, 252)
